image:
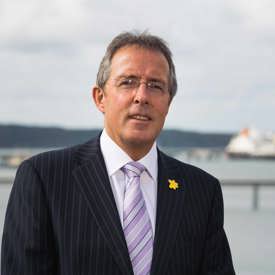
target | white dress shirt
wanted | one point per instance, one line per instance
(115, 158)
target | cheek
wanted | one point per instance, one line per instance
(163, 109)
(120, 99)
(116, 109)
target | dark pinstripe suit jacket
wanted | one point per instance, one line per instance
(62, 219)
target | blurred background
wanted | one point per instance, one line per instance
(222, 118)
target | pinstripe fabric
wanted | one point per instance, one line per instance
(62, 219)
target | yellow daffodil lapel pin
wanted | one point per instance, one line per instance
(173, 184)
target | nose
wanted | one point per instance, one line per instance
(141, 94)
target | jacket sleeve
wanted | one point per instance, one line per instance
(217, 258)
(27, 243)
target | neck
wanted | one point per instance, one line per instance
(135, 149)
(136, 152)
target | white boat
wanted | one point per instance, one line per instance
(250, 143)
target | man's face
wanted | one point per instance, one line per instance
(135, 99)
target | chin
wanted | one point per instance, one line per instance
(140, 138)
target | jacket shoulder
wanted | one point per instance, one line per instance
(53, 155)
(65, 158)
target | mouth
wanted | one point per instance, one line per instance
(140, 117)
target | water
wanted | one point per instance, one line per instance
(252, 241)
(225, 168)
(250, 233)
(241, 197)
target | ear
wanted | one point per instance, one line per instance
(98, 96)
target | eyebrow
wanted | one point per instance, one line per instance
(156, 80)
(152, 79)
(126, 76)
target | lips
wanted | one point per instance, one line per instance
(140, 117)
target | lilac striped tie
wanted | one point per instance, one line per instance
(136, 222)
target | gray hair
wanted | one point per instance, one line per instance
(144, 40)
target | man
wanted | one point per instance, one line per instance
(118, 205)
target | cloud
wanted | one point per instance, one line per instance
(257, 15)
(223, 51)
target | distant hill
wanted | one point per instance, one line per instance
(27, 136)
(178, 138)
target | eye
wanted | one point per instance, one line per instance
(155, 85)
(128, 82)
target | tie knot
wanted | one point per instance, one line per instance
(133, 169)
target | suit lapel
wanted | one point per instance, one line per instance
(92, 178)
(169, 211)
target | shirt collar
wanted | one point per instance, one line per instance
(118, 158)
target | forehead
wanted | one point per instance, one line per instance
(141, 62)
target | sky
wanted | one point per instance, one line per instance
(224, 53)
